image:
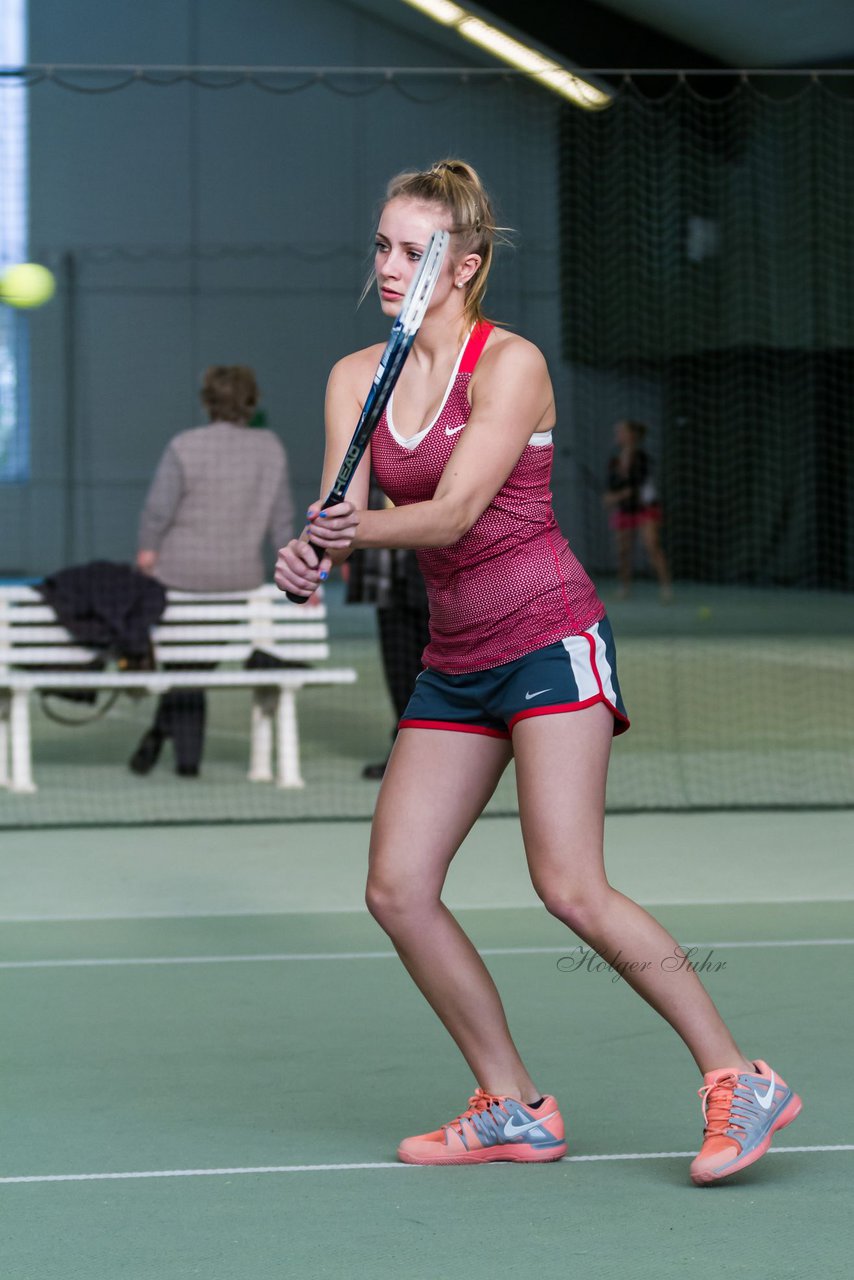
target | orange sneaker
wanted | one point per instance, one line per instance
(742, 1111)
(492, 1127)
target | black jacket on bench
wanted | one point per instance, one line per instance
(106, 606)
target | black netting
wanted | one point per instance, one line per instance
(683, 258)
(707, 260)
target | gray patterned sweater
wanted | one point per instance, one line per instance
(218, 492)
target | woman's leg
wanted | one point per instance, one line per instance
(625, 548)
(561, 764)
(652, 545)
(436, 784)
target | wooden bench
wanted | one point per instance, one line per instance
(195, 628)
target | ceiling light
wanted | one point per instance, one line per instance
(439, 10)
(512, 51)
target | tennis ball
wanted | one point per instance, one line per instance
(704, 612)
(28, 284)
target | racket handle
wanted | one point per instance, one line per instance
(302, 599)
(319, 552)
(336, 495)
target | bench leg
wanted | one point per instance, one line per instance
(261, 749)
(22, 760)
(287, 741)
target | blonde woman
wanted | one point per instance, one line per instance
(521, 663)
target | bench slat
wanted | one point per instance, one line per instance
(240, 652)
(284, 616)
(13, 614)
(267, 591)
(239, 613)
(156, 680)
(18, 593)
(168, 635)
(284, 631)
(235, 603)
(43, 655)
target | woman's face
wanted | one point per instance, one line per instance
(623, 435)
(404, 230)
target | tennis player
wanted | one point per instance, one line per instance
(521, 663)
(633, 501)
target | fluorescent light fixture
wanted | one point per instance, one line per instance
(439, 10)
(512, 51)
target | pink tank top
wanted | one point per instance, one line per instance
(511, 584)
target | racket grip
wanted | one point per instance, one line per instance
(302, 599)
(333, 497)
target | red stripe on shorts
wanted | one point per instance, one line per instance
(455, 726)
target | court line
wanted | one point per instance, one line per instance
(380, 1164)
(252, 912)
(111, 962)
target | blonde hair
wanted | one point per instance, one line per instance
(457, 187)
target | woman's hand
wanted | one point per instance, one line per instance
(299, 570)
(146, 561)
(305, 562)
(333, 529)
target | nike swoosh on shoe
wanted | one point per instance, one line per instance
(512, 1130)
(766, 1100)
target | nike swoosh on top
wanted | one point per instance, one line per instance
(512, 1130)
(537, 694)
(766, 1099)
(452, 431)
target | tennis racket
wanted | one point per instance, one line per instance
(391, 363)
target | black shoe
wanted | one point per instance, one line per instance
(147, 753)
(373, 772)
(187, 770)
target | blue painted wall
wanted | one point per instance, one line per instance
(160, 200)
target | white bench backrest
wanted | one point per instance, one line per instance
(196, 627)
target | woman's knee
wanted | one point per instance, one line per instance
(581, 906)
(378, 897)
(389, 899)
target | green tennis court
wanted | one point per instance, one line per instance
(211, 1053)
(209, 1050)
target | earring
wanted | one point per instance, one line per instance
(459, 284)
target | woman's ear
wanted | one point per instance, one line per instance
(467, 268)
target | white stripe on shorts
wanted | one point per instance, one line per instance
(603, 666)
(578, 648)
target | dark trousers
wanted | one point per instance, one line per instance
(181, 716)
(404, 634)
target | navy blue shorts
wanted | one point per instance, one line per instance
(570, 674)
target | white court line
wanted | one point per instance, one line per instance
(381, 1164)
(111, 962)
(251, 912)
